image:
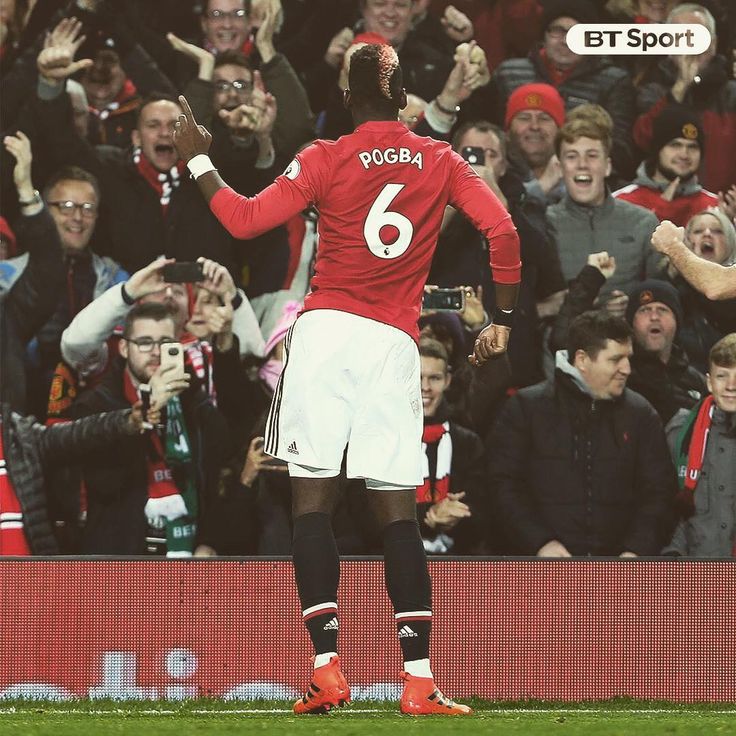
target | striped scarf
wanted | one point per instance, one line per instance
(13, 540)
(163, 182)
(436, 462)
(690, 452)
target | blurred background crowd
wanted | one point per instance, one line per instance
(608, 429)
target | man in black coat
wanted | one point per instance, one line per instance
(579, 464)
(159, 493)
(27, 301)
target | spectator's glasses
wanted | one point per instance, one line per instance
(145, 344)
(238, 14)
(87, 209)
(239, 85)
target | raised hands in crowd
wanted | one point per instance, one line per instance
(56, 61)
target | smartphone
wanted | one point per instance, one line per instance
(474, 155)
(172, 354)
(444, 300)
(183, 272)
(145, 393)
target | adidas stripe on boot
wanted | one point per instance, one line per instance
(328, 689)
(421, 697)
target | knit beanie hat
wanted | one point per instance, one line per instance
(582, 11)
(654, 290)
(676, 121)
(536, 97)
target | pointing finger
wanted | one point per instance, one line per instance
(188, 114)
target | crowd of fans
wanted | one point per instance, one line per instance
(608, 429)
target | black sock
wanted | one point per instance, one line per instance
(409, 587)
(317, 572)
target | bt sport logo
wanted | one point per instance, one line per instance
(616, 39)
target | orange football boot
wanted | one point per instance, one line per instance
(421, 697)
(328, 689)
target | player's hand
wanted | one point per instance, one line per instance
(190, 138)
(490, 343)
(603, 262)
(666, 235)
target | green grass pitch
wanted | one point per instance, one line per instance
(615, 718)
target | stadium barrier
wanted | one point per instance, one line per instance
(565, 630)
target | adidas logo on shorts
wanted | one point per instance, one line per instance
(405, 632)
(331, 625)
(292, 449)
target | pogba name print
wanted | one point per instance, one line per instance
(380, 157)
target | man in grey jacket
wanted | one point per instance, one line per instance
(703, 446)
(589, 220)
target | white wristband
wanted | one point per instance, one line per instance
(200, 164)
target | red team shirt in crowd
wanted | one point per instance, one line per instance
(381, 194)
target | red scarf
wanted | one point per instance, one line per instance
(160, 478)
(163, 183)
(436, 440)
(13, 540)
(698, 441)
(557, 76)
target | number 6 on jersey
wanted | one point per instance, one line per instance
(380, 216)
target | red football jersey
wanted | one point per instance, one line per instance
(381, 194)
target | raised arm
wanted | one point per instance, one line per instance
(243, 217)
(711, 279)
(481, 206)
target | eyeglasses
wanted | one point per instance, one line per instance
(239, 85)
(145, 344)
(558, 31)
(87, 209)
(238, 14)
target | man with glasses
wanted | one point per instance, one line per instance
(72, 196)
(154, 494)
(225, 25)
(578, 79)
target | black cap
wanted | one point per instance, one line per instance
(676, 121)
(654, 290)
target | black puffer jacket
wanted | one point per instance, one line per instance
(30, 447)
(594, 475)
(594, 79)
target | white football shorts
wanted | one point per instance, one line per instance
(349, 380)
